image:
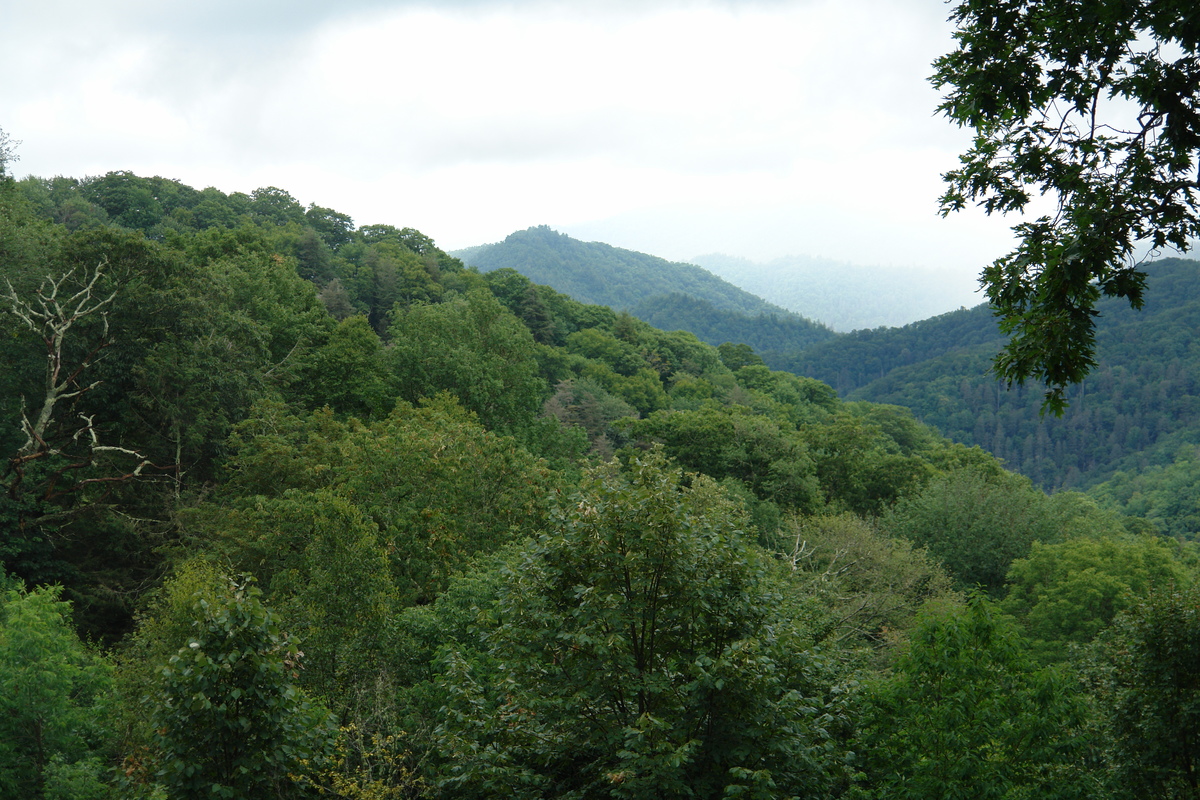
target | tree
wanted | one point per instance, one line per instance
(130, 201)
(474, 348)
(52, 316)
(1070, 591)
(769, 459)
(50, 687)
(228, 722)
(967, 715)
(8, 147)
(974, 522)
(1096, 105)
(873, 584)
(334, 228)
(59, 443)
(641, 648)
(1150, 689)
(438, 486)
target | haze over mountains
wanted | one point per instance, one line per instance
(837, 295)
(847, 296)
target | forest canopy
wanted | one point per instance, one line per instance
(294, 507)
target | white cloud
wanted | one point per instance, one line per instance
(760, 128)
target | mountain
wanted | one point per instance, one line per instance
(668, 294)
(848, 296)
(856, 359)
(1138, 407)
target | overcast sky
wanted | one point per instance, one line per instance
(757, 129)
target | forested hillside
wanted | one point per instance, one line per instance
(1137, 409)
(294, 507)
(852, 361)
(669, 295)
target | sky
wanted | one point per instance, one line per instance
(757, 128)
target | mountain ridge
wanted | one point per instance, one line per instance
(672, 295)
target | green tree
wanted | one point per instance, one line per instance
(274, 205)
(229, 722)
(347, 373)
(1069, 591)
(8, 154)
(1149, 688)
(641, 648)
(52, 689)
(730, 442)
(128, 200)
(334, 228)
(436, 485)
(874, 585)
(860, 468)
(474, 348)
(967, 715)
(1096, 105)
(975, 522)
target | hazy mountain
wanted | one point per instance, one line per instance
(670, 295)
(849, 296)
(1137, 408)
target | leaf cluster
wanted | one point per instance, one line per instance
(1094, 106)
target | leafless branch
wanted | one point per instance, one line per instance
(51, 315)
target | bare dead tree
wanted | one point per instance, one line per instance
(51, 315)
(58, 306)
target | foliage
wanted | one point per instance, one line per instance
(1150, 690)
(729, 442)
(872, 584)
(8, 154)
(472, 347)
(370, 766)
(778, 332)
(641, 648)
(1094, 104)
(228, 721)
(1067, 592)
(429, 484)
(52, 692)
(854, 360)
(330, 581)
(164, 620)
(1165, 495)
(592, 272)
(348, 372)
(736, 356)
(362, 424)
(586, 404)
(967, 715)
(975, 523)
(779, 395)
(859, 466)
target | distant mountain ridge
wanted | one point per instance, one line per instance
(1137, 408)
(669, 295)
(845, 296)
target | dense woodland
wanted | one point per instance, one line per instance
(1133, 421)
(293, 507)
(1130, 434)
